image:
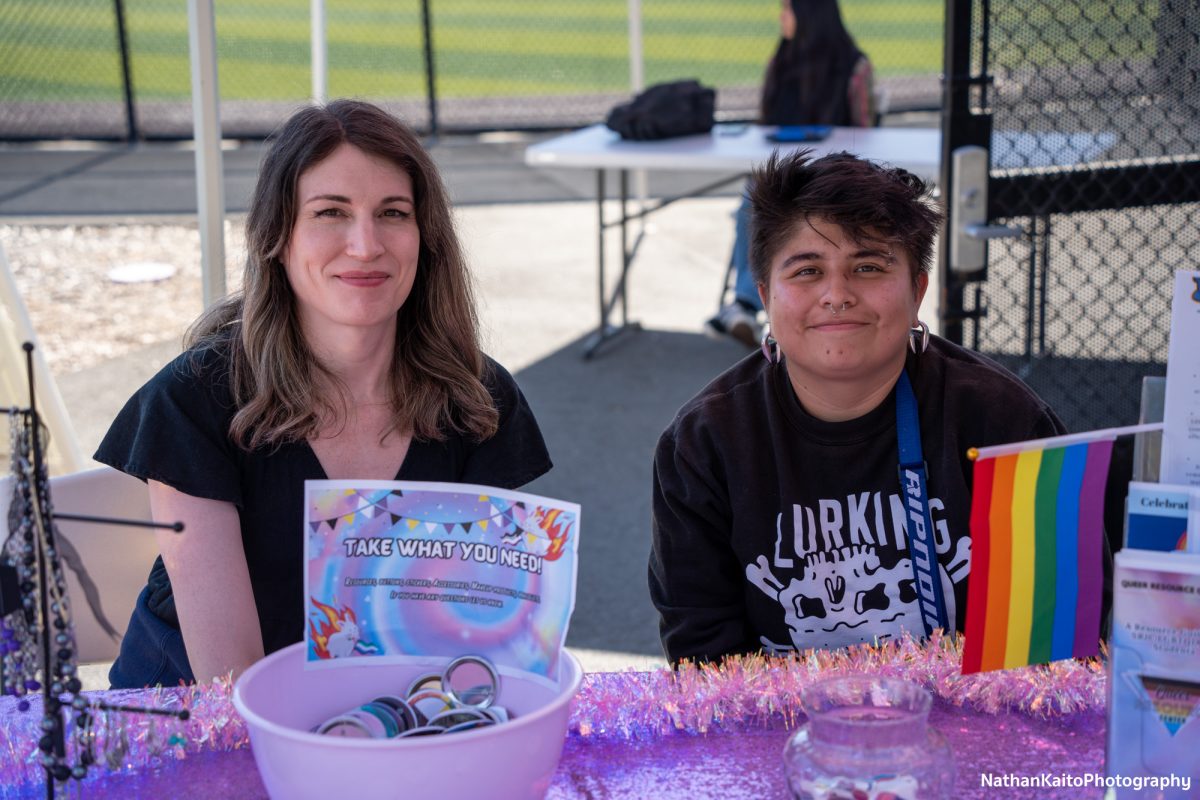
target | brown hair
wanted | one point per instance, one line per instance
(868, 201)
(277, 382)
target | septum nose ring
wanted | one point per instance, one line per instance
(836, 311)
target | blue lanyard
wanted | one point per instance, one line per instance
(914, 491)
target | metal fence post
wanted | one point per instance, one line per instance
(430, 80)
(961, 125)
(320, 53)
(126, 75)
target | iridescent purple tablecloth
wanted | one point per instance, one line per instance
(730, 762)
(747, 764)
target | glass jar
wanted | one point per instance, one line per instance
(867, 738)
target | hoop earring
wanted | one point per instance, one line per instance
(770, 347)
(921, 331)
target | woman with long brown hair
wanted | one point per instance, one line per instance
(350, 352)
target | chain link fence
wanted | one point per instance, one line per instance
(526, 65)
(1096, 129)
(60, 80)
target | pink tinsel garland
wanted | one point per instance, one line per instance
(757, 690)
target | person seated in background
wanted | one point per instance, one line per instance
(780, 521)
(350, 353)
(818, 76)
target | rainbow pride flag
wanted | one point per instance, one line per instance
(1037, 549)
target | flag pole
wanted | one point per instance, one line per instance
(1061, 441)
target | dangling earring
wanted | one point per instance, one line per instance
(918, 331)
(770, 347)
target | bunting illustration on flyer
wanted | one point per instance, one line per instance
(401, 571)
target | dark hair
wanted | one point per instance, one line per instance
(280, 388)
(868, 201)
(806, 81)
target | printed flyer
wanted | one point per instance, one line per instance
(1154, 667)
(402, 571)
(1181, 406)
(1157, 516)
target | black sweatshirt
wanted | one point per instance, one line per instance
(774, 530)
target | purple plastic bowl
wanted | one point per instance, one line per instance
(281, 701)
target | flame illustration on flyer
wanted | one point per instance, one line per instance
(402, 571)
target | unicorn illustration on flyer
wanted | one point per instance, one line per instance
(334, 632)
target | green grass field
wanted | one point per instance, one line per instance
(66, 50)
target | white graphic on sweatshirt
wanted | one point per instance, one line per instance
(854, 585)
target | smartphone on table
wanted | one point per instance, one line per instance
(800, 133)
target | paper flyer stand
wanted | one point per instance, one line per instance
(1179, 468)
(1037, 574)
(402, 572)
(1154, 680)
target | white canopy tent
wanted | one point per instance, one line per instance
(206, 115)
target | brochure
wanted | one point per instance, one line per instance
(1154, 668)
(1181, 407)
(1157, 516)
(1192, 544)
(403, 571)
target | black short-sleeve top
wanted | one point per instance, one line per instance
(175, 430)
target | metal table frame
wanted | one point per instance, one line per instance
(606, 330)
(729, 150)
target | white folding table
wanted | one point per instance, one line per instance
(730, 149)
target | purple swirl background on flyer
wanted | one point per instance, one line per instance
(401, 571)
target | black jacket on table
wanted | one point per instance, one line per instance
(774, 530)
(175, 430)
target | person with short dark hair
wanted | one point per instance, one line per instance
(351, 352)
(817, 76)
(780, 521)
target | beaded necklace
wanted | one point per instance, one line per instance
(41, 621)
(44, 612)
